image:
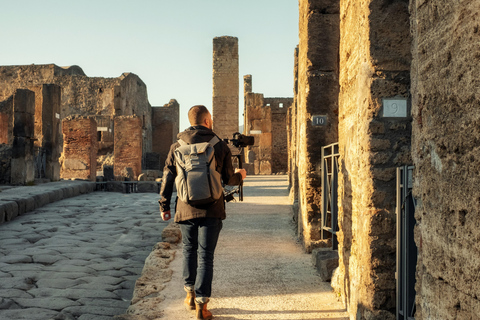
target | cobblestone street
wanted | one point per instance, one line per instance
(77, 258)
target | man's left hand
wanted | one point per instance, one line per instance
(166, 215)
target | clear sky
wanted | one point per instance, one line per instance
(167, 43)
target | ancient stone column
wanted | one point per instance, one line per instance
(225, 86)
(23, 170)
(47, 126)
(79, 148)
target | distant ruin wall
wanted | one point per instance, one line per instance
(79, 148)
(374, 65)
(446, 155)
(165, 123)
(225, 86)
(128, 145)
(279, 109)
(82, 95)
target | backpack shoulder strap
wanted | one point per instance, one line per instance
(214, 141)
(182, 143)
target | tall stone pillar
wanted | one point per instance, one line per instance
(225, 86)
(79, 148)
(318, 90)
(374, 139)
(23, 170)
(47, 126)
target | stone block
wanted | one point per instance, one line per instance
(147, 186)
(8, 211)
(325, 261)
(41, 200)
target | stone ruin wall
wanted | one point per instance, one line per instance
(166, 126)
(225, 86)
(269, 153)
(374, 64)
(279, 109)
(82, 95)
(317, 94)
(79, 148)
(128, 146)
(446, 155)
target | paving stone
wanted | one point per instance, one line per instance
(8, 304)
(58, 283)
(93, 310)
(47, 259)
(101, 279)
(92, 316)
(14, 293)
(76, 294)
(21, 267)
(17, 283)
(15, 258)
(30, 314)
(57, 303)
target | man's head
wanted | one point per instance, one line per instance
(200, 116)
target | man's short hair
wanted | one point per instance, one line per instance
(197, 114)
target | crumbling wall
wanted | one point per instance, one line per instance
(317, 94)
(446, 155)
(259, 120)
(128, 145)
(374, 65)
(79, 148)
(82, 95)
(266, 120)
(166, 126)
(225, 86)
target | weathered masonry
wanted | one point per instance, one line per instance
(64, 92)
(225, 86)
(353, 60)
(446, 154)
(265, 119)
(394, 83)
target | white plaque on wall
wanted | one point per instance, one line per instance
(395, 107)
(102, 129)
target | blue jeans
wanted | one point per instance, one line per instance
(199, 237)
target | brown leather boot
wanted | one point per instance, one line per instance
(190, 299)
(201, 311)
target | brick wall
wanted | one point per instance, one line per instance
(225, 86)
(446, 155)
(79, 148)
(128, 145)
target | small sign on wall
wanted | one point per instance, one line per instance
(395, 107)
(102, 129)
(57, 115)
(319, 120)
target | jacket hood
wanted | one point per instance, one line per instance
(196, 134)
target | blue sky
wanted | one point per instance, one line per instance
(167, 43)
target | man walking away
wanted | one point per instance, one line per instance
(200, 207)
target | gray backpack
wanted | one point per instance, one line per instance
(197, 180)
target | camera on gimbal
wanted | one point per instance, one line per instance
(240, 140)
